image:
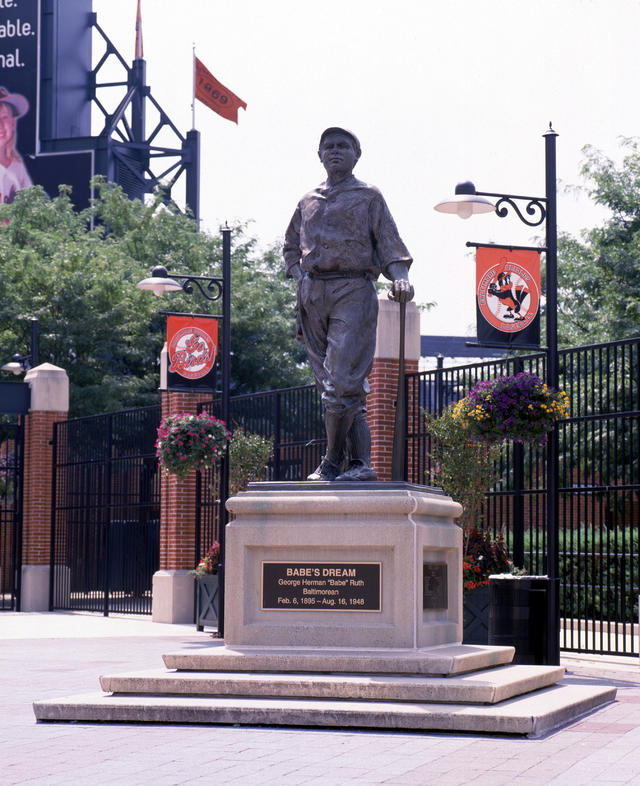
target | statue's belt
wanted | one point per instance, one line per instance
(330, 274)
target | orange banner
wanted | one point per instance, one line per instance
(192, 345)
(215, 95)
(507, 293)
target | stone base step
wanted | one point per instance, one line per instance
(436, 661)
(533, 714)
(488, 686)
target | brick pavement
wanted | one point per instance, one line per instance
(53, 655)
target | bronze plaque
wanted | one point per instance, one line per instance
(321, 586)
(434, 585)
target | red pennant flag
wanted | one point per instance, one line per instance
(139, 48)
(215, 95)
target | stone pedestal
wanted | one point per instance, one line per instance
(341, 565)
(35, 588)
(389, 554)
(173, 593)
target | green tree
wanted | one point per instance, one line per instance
(76, 272)
(599, 301)
(599, 273)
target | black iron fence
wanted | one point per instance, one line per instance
(291, 419)
(107, 499)
(11, 464)
(106, 512)
(599, 485)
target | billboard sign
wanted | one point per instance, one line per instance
(19, 53)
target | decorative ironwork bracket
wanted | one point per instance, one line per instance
(210, 288)
(536, 207)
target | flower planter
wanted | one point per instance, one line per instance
(207, 601)
(475, 605)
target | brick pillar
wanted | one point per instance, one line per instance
(173, 586)
(384, 379)
(49, 403)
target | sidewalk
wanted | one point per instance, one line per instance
(57, 654)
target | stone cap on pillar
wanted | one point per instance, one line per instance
(49, 388)
(388, 333)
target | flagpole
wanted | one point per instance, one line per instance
(193, 97)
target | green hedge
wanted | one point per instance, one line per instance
(599, 573)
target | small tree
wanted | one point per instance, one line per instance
(462, 468)
(249, 455)
(466, 470)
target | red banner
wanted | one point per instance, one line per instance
(215, 95)
(192, 345)
(508, 294)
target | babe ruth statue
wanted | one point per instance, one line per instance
(340, 239)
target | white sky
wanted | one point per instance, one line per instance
(438, 92)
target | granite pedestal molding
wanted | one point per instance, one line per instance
(398, 525)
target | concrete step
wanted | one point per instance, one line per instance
(533, 714)
(489, 686)
(436, 661)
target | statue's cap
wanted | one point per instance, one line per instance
(338, 130)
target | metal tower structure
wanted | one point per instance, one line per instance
(123, 150)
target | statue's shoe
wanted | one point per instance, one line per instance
(358, 471)
(326, 471)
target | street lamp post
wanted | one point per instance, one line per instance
(21, 363)
(533, 211)
(212, 288)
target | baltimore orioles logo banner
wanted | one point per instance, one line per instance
(192, 347)
(508, 296)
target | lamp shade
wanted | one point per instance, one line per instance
(466, 202)
(159, 282)
(15, 367)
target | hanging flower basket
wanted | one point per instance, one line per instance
(189, 441)
(522, 408)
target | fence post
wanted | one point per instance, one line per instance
(383, 378)
(106, 520)
(49, 403)
(518, 495)
(439, 403)
(276, 436)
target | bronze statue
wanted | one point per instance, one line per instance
(341, 237)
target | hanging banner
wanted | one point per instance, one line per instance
(508, 296)
(192, 347)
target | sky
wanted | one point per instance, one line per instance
(437, 92)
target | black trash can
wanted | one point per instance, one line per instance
(519, 615)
